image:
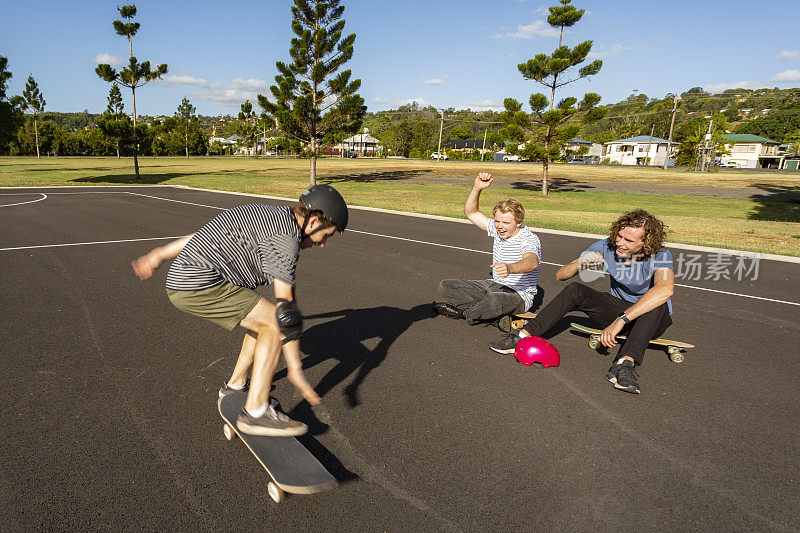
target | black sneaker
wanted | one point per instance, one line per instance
(273, 423)
(447, 309)
(225, 389)
(623, 377)
(506, 344)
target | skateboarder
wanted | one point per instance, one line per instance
(515, 265)
(213, 276)
(639, 306)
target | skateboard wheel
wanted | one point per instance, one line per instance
(227, 430)
(594, 344)
(676, 357)
(517, 324)
(275, 492)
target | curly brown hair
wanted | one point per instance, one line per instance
(655, 231)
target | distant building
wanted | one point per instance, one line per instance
(751, 151)
(640, 150)
(594, 153)
(364, 144)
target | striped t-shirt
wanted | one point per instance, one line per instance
(510, 251)
(248, 246)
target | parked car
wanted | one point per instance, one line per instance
(269, 152)
(438, 155)
(351, 155)
(730, 164)
(514, 157)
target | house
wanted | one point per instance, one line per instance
(595, 150)
(641, 150)
(751, 151)
(364, 144)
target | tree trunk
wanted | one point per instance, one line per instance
(135, 138)
(36, 133)
(117, 148)
(313, 166)
(546, 162)
(186, 138)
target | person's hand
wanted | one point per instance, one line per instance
(608, 337)
(294, 372)
(501, 269)
(591, 259)
(483, 180)
(146, 265)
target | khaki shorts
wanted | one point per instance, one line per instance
(226, 304)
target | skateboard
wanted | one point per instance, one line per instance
(517, 321)
(674, 348)
(290, 465)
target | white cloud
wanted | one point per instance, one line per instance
(539, 28)
(484, 105)
(720, 87)
(105, 57)
(434, 81)
(789, 55)
(185, 81)
(250, 84)
(226, 97)
(790, 76)
(609, 51)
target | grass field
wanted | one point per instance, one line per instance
(754, 224)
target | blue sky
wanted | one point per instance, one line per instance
(450, 53)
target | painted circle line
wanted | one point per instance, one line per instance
(44, 197)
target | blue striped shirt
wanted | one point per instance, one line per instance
(511, 250)
(248, 246)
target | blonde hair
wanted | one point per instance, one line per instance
(510, 205)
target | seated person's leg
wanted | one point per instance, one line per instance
(601, 307)
(499, 301)
(646, 327)
(459, 295)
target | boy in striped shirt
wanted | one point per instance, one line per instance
(215, 272)
(515, 265)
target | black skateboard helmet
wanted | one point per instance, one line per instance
(328, 200)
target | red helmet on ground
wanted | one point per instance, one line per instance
(536, 350)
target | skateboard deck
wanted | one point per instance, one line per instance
(518, 321)
(674, 348)
(290, 465)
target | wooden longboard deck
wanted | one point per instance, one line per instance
(292, 467)
(659, 341)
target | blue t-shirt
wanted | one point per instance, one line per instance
(629, 281)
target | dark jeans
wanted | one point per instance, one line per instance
(603, 309)
(483, 299)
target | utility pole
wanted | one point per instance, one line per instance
(706, 148)
(439, 149)
(650, 145)
(483, 149)
(671, 126)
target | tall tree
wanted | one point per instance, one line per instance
(10, 113)
(552, 71)
(314, 106)
(32, 99)
(185, 115)
(135, 74)
(248, 129)
(114, 122)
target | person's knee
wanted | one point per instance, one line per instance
(445, 286)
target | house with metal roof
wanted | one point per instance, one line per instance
(593, 150)
(640, 150)
(751, 151)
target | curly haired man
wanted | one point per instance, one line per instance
(638, 306)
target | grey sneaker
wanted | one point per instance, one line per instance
(273, 423)
(225, 389)
(623, 377)
(504, 324)
(506, 344)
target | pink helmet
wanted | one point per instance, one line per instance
(536, 349)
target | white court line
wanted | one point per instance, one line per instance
(86, 243)
(560, 265)
(44, 197)
(379, 235)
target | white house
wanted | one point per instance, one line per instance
(641, 150)
(595, 149)
(362, 143)
(751, 151)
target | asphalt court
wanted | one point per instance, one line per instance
(110, 416)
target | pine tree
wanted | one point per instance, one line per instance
(135, 74)
(550, 71)
(32, 99)
(312, 105)
(185, 114)
(114, 119)
(11, 116)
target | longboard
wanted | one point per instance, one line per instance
(518, 321)
(674, 348)
(290, 465)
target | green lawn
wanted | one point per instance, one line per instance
(761, 225)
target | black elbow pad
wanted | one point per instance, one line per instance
(290, 322)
